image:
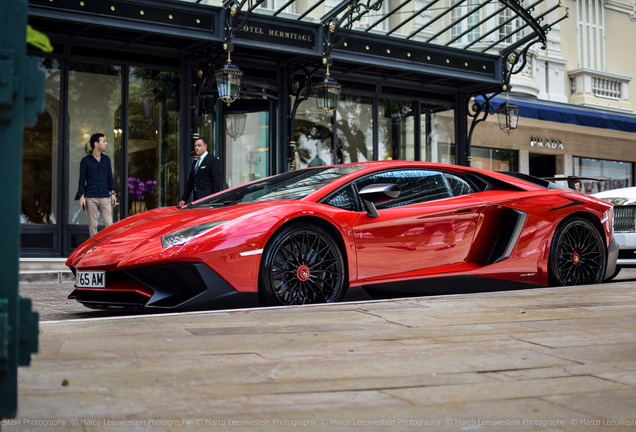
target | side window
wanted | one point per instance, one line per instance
(458, 185)
(416, 186)
(344, 199)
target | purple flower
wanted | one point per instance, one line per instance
(137, 188)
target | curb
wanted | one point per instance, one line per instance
(46, 276)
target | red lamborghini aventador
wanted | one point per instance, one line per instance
(306, 236)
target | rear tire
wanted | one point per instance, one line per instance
(577, 254)
(302, 264)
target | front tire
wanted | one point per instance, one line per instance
(577, 254)
(302, 264)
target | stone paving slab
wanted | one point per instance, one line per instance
(554, 359)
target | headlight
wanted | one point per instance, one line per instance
(182, 236)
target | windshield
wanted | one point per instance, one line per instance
(292, 185)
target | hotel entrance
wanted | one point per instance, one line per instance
(240, 135)
(246, 141)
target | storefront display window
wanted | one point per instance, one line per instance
(354, 123)
(40, 149)
(313, 136)
(94, 105)
(354, 132)
(153, 139)
(494, 159)
(396, 133)
(618, 172)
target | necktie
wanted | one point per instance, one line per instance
(196, 167)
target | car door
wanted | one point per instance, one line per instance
(428, 228)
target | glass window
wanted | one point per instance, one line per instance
(473, 20)
(456, 14)
(246, 147)
(494, 159)
(312, 131)
(416, 186)
(153, 139)
(591, 33)
(458, 185)
(291, 185)
(438, 134)
(396, 133)
(94, 105)
(618, 172)
(345, 199)
(354, 120)
(40, 147)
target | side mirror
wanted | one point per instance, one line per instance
(377, 193)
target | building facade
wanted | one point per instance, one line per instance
(142, 73)
(577, 102)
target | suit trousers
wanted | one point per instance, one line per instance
(101, 205)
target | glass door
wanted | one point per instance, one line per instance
(246, 142)
(153, 140)
(94, 106)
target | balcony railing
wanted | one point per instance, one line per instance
(604, 87)
(598, 88)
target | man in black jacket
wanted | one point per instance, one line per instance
(205, 176)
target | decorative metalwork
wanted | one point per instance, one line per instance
(301, 87)
(204, 80)
(479, 111)
(514, 60)
(337, 24)
(235, 18)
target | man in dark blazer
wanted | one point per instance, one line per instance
(205, 175)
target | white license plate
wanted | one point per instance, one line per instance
(90, 279)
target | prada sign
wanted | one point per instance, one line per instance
(275, 33)
(547, 144)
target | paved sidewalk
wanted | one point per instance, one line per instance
(557, 359)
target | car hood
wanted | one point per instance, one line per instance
(126, 237)
(623, 196)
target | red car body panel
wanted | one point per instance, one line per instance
(432, 239)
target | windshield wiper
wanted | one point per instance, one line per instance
(218, 204)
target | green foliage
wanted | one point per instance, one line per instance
(38, 39)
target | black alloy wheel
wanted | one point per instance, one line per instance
(577, 255)
(302, 264)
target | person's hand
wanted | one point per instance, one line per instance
(113, 199)
(181, 203)
(82, 202)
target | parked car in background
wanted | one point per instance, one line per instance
(624, 201)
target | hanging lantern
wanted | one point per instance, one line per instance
(508, 115)
(327, 93)
(236, 125)
(228, 81)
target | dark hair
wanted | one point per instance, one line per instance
(95, 138)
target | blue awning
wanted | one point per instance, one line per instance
(571, 114)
